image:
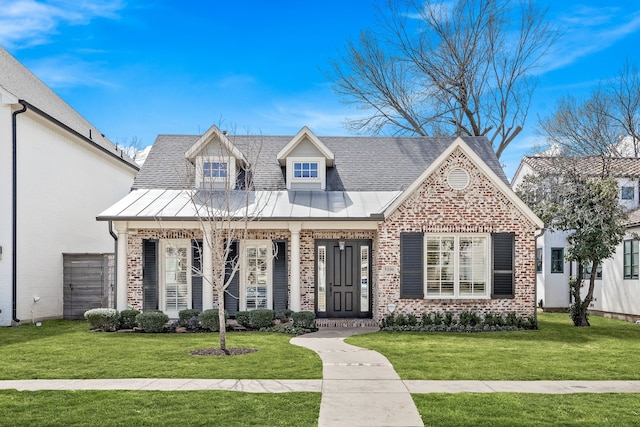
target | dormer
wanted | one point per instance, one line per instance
(217, 161)
(306, 159)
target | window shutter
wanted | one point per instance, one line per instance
(411, 265)
(232, 295)
(149, 274)
(280, 276)
(503, 267)
(196, 277)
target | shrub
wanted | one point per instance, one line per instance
(388, 321)
(492, 319)
(448, 318)
(469, 318)
(243, 318)
(210, 319)
(185, 316)
(284, 315)
(128, 319)
(261, 318)
(412, 320)
(426, 320)
(102, 318)
(401, 319)
(304, 319)
(438, 319)
(152, 321)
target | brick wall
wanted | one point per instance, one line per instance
(436, 208)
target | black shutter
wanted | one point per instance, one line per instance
(149, 274)
(503, 268)
(231, 296)
(280, 276)
(411, 265)
(196, 276)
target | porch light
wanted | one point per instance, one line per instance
(341, 245)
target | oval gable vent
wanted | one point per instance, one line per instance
(458, 179)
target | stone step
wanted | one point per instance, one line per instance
(346, 323)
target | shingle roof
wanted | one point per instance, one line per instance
(361, 163)
(627, 167)
(23, 84)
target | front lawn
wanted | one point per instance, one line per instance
(157, 408)
(608, 350)
(66, 350)
(511, 409)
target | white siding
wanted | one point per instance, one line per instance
(63, 184)
(5, 214)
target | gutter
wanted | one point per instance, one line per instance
(78, 134)
(14, 220)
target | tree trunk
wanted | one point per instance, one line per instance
(221, 319)
(580, 308)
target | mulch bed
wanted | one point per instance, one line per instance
(234, 351)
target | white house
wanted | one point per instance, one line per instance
(57, 172)
(617, 285)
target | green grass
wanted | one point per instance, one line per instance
(157, 408)
(66, 350)
(608, 350)
(509, 409)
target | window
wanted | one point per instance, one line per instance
(538, 260)
(214, 169)
(322, 278)
(176, 272)
(305, 170)
(557, 260)
(456, 266)
(587, 271)
(364, 278)
(257, 274)
(631, 259)
(626, 193)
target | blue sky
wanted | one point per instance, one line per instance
(136, 69)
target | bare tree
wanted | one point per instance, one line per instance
(606, 123)
(456, 68)
(224, 201)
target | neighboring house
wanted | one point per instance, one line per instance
(354, 227)
(57, 171)
(617, 285)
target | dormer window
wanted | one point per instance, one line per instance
(304, 170)
(215, 172)
(214, 169)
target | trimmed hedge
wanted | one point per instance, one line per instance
(209, 319)
(152, 321)
(128, 319)
(304, 319)
(256, 319)
(466, 321)
(185, 316)
(103, 318)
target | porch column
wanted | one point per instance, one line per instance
(121, 267)
(295, 228)
(207, 270)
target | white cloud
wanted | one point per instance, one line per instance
(31, 22)
(66, 71)
(590, 30)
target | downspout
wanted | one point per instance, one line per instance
(539, 233)
(14, 236)
(115, 261)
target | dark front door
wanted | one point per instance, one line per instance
(346, 289)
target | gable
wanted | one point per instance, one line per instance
(461, 175)
(305, 148)
(304, 138)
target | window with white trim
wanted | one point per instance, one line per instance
(322, 278)
(176, 277)
(215, 171)
(626, 192)
(257, 274)
(457, 266)
(305, 170)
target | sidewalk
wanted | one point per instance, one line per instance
(359, 386)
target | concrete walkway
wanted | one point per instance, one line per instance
(359, 386)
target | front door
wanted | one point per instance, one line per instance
(343, 278)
